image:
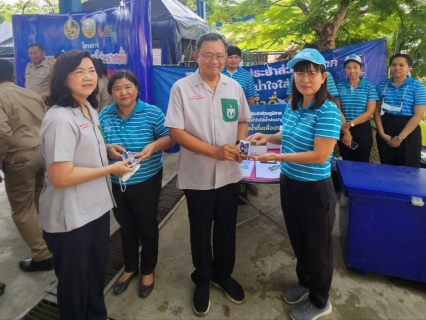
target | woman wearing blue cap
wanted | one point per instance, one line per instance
(403, 103)
(310, 129)
(357, 101)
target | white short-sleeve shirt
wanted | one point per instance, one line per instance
(212, 117)
(66, 134)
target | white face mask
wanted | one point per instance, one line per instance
(123, 178)
(388, 107)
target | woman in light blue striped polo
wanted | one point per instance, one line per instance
(135, 126)
(403, 104)
(311, 127)
(357, 101)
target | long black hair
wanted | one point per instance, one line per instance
(320, 96)
(59, 92)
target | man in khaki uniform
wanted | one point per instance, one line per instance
(38, 71)
(21, 114)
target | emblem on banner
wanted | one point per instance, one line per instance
(88, 27)
(71, 29)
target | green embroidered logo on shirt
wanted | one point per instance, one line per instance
(229, 110)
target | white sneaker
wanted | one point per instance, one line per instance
(307, 311)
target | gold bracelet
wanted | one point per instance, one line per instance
(282, 157)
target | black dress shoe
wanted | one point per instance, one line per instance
(29, 265)
(2, 288)
(145, 291)
(122, 286)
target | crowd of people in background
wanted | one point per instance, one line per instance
(76, 144)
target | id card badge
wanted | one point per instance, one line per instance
(389, 108)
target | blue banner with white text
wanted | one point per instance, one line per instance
(272, 80)
(119, 36)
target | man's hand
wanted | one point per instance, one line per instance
(114, 150)
(145, 153)
(227, 153)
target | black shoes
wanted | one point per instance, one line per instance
(233, 290)
(201, 300)
(145, 291)
(29, 265)
(252, 189)
(2, 288)
(122, 286)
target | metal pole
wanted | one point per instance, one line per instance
(67, 6)
(201, 9)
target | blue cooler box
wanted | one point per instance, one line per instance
(382, 228)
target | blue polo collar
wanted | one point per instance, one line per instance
(299, 105)
(361, 84)
(140, 107)
(224, 71)
(406, 82)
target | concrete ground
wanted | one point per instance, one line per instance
(265, 265)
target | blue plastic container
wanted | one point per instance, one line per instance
(173, 149)
(381, 230)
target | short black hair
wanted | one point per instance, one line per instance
(38, 45)
(6, 71)
(233, 50)
(59, 92)
(210, 37)
(402, 55)
(311, 45)
(120, 74)
(100, 67)
(320, 96)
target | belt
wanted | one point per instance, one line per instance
(9, 154)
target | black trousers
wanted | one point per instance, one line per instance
(137, 212)
(218, 207)
(80, 258)
(408, 153)
(362, 135)
(309, 214)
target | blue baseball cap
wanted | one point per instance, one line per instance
(311, 55)
(353, 57)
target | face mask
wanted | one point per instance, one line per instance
(123, 178)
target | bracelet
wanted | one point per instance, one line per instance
(282, 157)
(400, 138)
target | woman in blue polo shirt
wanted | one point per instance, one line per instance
(357, 101)
(311, 127)
(137, 127)
(402, 103)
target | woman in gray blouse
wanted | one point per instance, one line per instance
(76, 197)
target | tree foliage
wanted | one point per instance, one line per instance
(278, 23)
(34, 6)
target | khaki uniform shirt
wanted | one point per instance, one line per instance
(103, 97)
(66, 134)
(21, 114)
(212, 117)
(37, 79)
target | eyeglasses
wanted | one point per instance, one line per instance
(210, 57)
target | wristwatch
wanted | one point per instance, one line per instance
(352, 124)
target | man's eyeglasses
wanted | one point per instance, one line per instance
(211, 57)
